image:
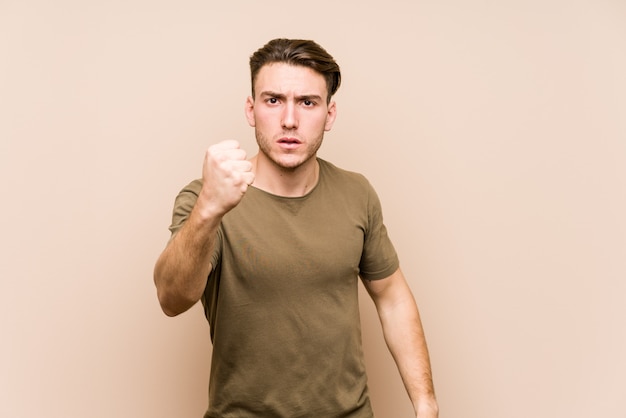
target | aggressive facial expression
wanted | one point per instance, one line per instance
(290, 114)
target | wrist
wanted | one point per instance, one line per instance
(426, 408)
(209, 209)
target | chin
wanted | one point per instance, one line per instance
(290, 163)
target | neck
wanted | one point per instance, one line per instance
(284, 182)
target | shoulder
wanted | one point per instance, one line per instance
(186, 200)
(341, 176)
(183, 204)
(350, 186)
(192, 188)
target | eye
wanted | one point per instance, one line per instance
(272, 100)
(308, 103)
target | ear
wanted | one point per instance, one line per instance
(249, 108)
(331, 115)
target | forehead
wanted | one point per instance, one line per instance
(283, 78)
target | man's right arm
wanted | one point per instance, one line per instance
(181, 271)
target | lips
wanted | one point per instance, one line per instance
(289, 144)
(289, 141)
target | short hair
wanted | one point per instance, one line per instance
(300, 52)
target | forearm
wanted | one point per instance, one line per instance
(181, 272)
(405, 338)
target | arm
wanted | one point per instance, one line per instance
(181, 271)
(404, 336)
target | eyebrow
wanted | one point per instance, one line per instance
(311, 97)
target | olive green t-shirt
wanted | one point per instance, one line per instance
(282, 299)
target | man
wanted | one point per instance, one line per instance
(273, 246)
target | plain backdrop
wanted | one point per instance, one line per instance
(494, 132)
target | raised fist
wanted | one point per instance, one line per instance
(226, 175)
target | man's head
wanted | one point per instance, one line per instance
(297, 52)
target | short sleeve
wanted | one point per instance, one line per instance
(379, 258)
(183, 205)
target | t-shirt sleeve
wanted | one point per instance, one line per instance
(183, 205)
(379, 258)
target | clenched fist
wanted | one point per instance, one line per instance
(226, 175)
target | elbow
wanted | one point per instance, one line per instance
(173, 297)
(172, 301)
(167, 306)
(174, 305)
(170, 310)
(169, 299)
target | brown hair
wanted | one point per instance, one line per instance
(297, 52)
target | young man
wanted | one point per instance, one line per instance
(273, 246)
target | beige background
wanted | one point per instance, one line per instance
(494, 131)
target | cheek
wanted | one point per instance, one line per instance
(321, 123)
(263, 118)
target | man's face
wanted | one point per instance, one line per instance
(289, 113)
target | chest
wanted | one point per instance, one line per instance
(297, 245)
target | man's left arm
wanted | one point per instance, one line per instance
(404, 335)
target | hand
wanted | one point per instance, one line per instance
(226, 175)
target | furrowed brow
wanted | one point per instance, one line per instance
(272, 94)
(310, 97)
(303, 97)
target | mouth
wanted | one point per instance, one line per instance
(289, 143)
(286, 140)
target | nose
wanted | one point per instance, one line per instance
(289, 117)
